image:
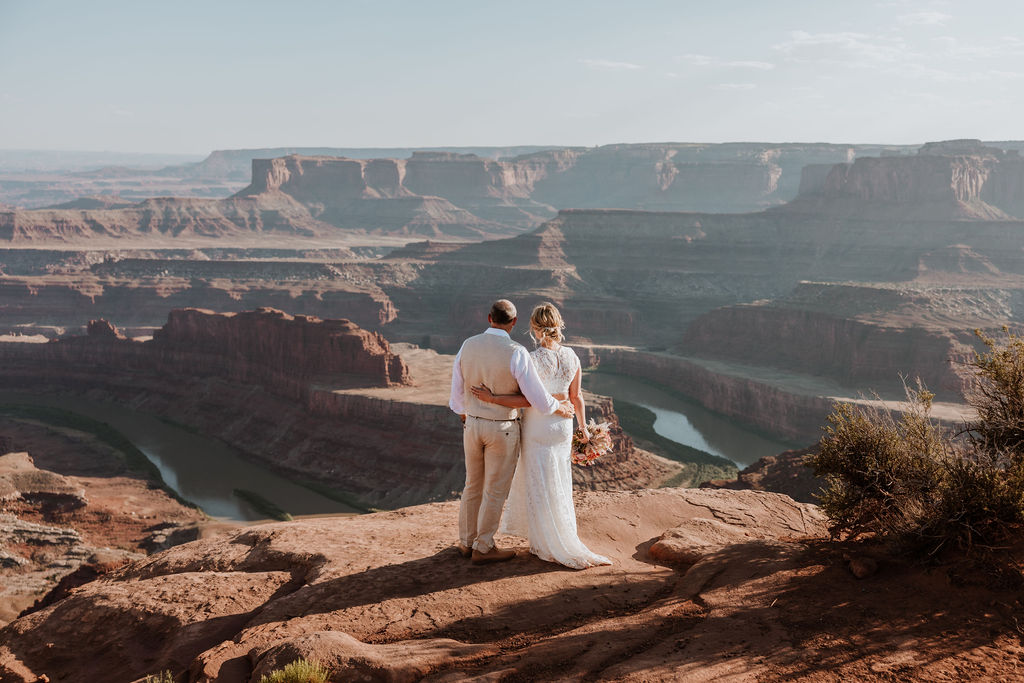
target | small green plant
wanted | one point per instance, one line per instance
(299, 671)
(162, 677)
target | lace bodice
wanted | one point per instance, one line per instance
(556, 368)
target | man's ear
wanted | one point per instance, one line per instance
(489, 318)
(514, 320)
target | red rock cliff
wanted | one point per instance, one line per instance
(857, 354)
(267, 347)
(300, 347)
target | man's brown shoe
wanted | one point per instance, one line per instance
(464, 550)
(493, 555)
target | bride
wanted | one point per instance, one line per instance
(539, 506)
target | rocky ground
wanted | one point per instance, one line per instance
(68, 500)
(705, 585)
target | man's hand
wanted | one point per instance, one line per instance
(565, 410)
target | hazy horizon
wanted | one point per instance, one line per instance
(190, 78)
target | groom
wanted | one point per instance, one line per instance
(491, 432)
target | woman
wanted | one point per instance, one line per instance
(539, 506)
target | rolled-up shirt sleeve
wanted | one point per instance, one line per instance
(455, 400)
(529, 382)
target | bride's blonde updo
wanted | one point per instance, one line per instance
(547, 324)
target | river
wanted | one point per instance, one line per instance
(687, 422)
(202, 470)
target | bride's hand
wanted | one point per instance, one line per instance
(565, 410)
(483, 393)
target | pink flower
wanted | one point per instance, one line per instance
(585, 452)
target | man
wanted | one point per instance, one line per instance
(491, 432)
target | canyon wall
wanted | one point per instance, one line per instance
(661, 176)
(236, 164)
(264, 382)
(854, 353)
(140, 295)
(265, 347)
(163, 217)
(777, 410)
(279, 345)
(922, 258)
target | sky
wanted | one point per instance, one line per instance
(190, 77)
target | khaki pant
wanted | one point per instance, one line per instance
(492, 449)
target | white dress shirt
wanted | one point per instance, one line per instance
(522, 369)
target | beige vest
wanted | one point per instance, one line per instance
(486, 359)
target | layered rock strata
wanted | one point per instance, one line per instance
(960, 179)
(891, 293)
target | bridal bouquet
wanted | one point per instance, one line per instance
(585, 452)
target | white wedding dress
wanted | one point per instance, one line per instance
(539, 505)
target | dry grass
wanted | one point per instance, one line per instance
(299, 671)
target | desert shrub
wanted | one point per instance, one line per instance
(997, 394)
(981, 498)
(299, 671)
(881, 472)
(905, 479)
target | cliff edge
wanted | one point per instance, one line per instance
(705, 585)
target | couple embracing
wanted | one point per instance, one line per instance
(519, 465)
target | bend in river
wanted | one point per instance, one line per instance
(200, 469)
(687, 422)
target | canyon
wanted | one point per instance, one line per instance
(306, 321)
(879, 267)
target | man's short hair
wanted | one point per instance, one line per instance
(503, 312)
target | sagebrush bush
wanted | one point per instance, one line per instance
(299, 671)
(881, 472)
(997, 394)
(906, 479)
(979, 501)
